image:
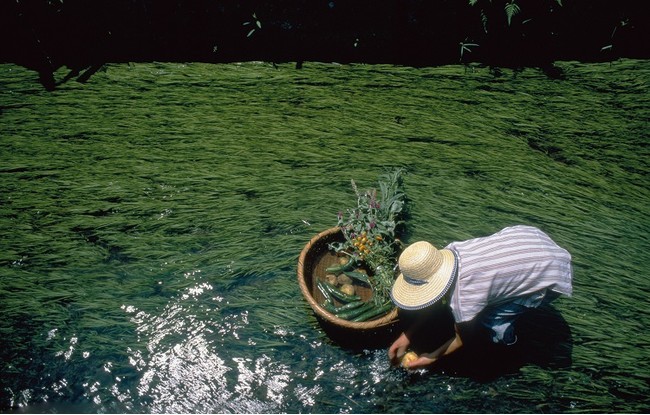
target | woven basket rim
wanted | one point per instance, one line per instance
(389, 318)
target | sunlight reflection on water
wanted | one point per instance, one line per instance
(209, 349)
(204, 353)
(181, 371)
(196, 360)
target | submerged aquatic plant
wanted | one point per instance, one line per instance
(370, 231)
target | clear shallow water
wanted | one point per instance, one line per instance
(151, 220)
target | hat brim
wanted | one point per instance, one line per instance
(410, 296)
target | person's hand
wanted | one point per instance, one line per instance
(398, 349)
(424, 360)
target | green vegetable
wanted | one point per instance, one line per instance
(348, 266)
(373, 312)
(340, 295)
(323, 289)
(351, 314)
(359, 276)
(348, 306)
(329, 306)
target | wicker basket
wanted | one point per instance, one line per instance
(314, 258)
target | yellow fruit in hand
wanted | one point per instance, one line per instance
(408, 358)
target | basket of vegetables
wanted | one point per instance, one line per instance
(346, 272)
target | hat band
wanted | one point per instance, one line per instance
(415, 281)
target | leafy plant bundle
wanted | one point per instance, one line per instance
(370, 231)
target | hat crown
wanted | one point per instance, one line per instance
(420, 261)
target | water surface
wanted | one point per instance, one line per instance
(151, 221)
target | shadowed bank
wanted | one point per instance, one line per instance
(45, 35)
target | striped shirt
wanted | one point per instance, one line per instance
(517, 264)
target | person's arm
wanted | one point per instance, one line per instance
(400, 346)
(449, 347)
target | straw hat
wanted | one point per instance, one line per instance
(426, 275)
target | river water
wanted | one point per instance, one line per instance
(151, 219)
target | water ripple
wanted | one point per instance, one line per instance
(181, 370)
(201, 355)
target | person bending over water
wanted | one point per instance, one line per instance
(487, 282)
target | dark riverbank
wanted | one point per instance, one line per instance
(45, 35)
